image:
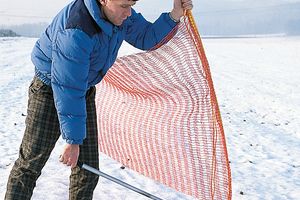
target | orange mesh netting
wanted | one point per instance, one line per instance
(158, 115)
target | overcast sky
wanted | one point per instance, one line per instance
(29, 11)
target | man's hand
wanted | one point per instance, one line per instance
(179, 7)
(70, 155)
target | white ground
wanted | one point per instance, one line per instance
(257, 81)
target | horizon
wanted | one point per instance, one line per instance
(214, 17)
(13, 13)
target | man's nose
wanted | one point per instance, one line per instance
(128, 12)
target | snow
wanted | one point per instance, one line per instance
(257, 81)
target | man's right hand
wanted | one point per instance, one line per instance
(70, 155)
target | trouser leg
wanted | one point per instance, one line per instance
(41, 134)
(82, 182)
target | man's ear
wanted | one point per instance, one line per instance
(103, 2)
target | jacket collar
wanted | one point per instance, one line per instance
(94, 9)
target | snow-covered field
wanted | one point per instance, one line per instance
(257, 81)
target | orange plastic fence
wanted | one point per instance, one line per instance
(158, 115)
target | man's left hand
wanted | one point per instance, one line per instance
(179, 7)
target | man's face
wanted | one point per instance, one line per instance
(117, 11)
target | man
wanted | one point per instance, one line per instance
(70, 58)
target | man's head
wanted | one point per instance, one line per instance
(116, 11)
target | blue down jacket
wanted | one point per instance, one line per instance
(77, 49)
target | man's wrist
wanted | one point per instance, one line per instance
(174, 17)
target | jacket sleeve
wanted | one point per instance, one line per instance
(145, 35)
(69, 81)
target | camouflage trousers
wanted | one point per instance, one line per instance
(41, 133)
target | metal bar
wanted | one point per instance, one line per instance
(98, 172)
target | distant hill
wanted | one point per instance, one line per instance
(277, 19)
(7, 33)
(28, 30)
